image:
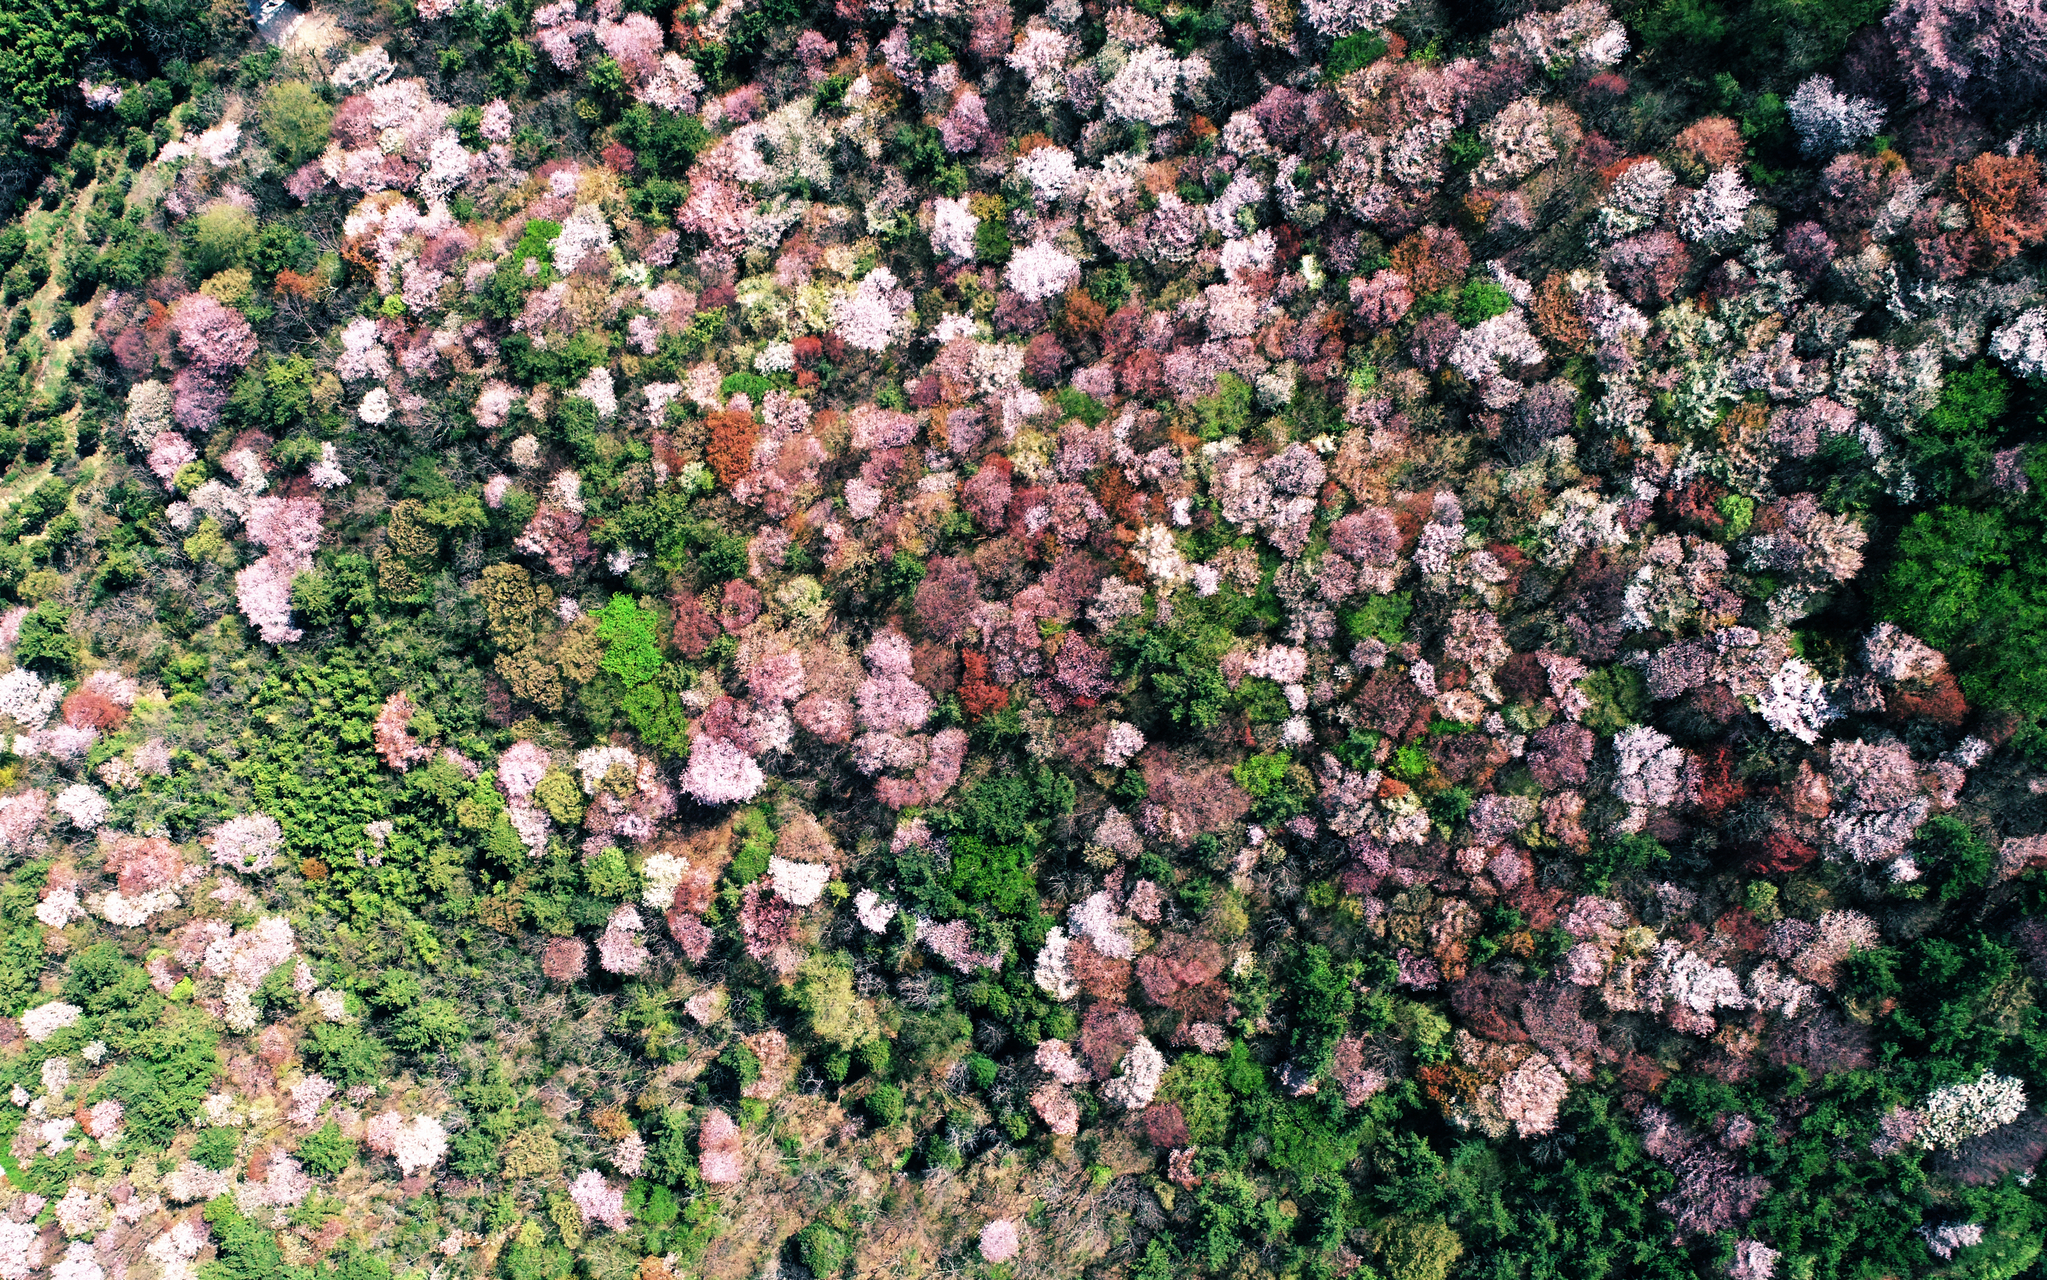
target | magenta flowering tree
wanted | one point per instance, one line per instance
(200, 392)
(1381, 301)
(965, 127)
(1970, 52)
(946, 599)
(211, 336)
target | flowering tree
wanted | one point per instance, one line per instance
(215, 339)
(1828, 122)
(597, 1201)
(247, 843)
(1041, 271)
(719, 1160)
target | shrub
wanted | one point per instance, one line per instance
(1195, 1084)
(1356, 50)
(347, 1055)
(45, 640)
(884, 1104)
(1968, 583)
(216, 1148)
(999, 876)
(295, 122)
(325, 1152)
(1956, 861)
(1418, 1248)
(1620, 697)
(1480, 300)
(1954, 443)
(1622, 856)
(1382, 618)
(610, 876)
(431, 1024)
(823, 1249)
(1227, 410)
(221, 234)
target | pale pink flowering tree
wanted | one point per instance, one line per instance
(248, 843)
(495, 403)
(85, 807)
(1339, 18)
(1056, 1107)
(21, 1251)
(876, 313)
(1531, 1094)
(153, 759)
(307, 1097)
(170, 454)
(556, 28)
(21, 817)
(634, 42)
(198, 397)
(965, 127)
(46, 1020)
(496, 125)
(1753, 1260)
(248, 955)
(557, 535)
(889, 699)
(953, 942)
(673, 86)
(776, 678)
(718, 1150)
(1970, 51)
(1143, 90)
(619, 948)
(327, 473)
(289, 529)
(103, 1118)
(521, 768)
(998, 1241)
(1717, 210)
(1042, 271)
(720, 773)
(1582, 35)
(1712, 1195)
(630, 1155)
(598, 1201)
(419, 1146)
(720, 211)
(952, 228)
(393, 734)
(362, 355)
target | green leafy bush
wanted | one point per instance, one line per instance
(884, 1103)
(325, 1152)
(295, 122)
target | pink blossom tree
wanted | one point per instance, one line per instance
(598, 1201)
(721, 773)
(216, 339)
(289, 529)
(719, 1159)
(393, 734)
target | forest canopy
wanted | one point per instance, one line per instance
(1027, 639)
